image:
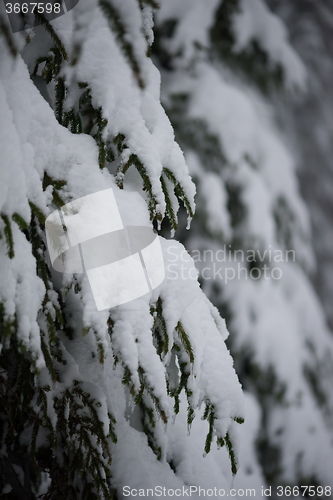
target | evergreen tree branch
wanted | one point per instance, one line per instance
(117, 26)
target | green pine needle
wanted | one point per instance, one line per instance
(118, 28)
(239, 420)
(232, 456)
(8, 236)
(49, 28)
(169, 208)
(179, 191)
(185, 341)
(37, 213)
(20, 221)
(162, 323)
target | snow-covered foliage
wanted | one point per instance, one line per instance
(217, 75)
(93, 401)
(311, 128)
(255, 22)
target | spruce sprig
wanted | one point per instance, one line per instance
(147, 186)
(49, 28)
(179, 191)
(8, 235)
(118, 27)
(172, 216)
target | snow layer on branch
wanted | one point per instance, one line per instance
(212, 371)
(277, 324)
(251, 21)
(40, 145)
(259, 160)
(256, 22)
(194, 18)
(212, 378)
(214, 195)
(21, 291)
(134, 112)
(280, 323)
(250, 474)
